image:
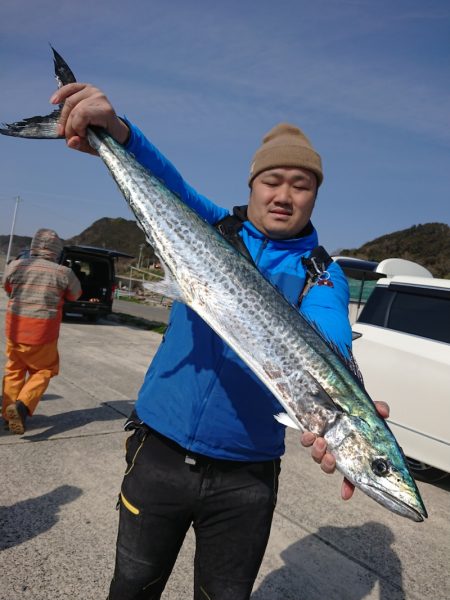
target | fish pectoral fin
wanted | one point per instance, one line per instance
(166, 287)
(287, 421)
(321, 397)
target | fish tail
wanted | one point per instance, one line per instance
(63, 72)
(38, 128)
(45, 127)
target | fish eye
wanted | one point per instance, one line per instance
(380, 467)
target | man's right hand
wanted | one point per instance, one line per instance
(86, 105)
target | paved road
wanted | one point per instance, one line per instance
(61, 479)
(156, 313)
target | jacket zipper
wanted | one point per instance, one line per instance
(260, 251)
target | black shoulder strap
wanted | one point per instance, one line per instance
(230, 226)
(315, 265)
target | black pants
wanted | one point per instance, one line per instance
(230, 505)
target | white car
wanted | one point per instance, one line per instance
(402, 346)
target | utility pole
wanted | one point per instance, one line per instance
(11, 235)
(141, 247)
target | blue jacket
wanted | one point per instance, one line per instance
(197, 391)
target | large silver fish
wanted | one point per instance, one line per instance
(316, 387)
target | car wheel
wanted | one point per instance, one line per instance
(424, 472)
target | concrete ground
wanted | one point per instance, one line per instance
(147, 311)
(60, 483)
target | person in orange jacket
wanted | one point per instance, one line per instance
(37, 287)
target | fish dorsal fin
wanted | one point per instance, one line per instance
(348, 360)
(353, 366)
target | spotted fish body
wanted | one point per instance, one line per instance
(311, 381)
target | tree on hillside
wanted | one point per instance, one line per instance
(428, 245)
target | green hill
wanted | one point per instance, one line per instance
(428, 245)
(20, 242)
(117, 234)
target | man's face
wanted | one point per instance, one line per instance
(281, 201)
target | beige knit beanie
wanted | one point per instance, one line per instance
(286, 146)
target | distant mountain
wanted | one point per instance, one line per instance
(117, 234)
(20, 242)
(428, 245)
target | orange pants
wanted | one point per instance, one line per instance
(28, 371)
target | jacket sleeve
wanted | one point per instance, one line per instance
(7, 286)
(9, 269)
(152, 159)
(326, 306)
(73, 290)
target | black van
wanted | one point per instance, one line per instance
(95, 268)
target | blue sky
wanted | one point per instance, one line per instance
(367, 81)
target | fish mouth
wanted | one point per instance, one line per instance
(400, 507)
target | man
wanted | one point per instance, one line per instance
(206, 449)
(37, 287)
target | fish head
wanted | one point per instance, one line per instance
(368, 454)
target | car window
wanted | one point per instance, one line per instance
(81, 269)
(422, 313)
(427, 316)
(375, 311)
(100, 271)
(360, 290)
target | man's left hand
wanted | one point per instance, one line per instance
(326, 460)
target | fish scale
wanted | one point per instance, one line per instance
(313, 383)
